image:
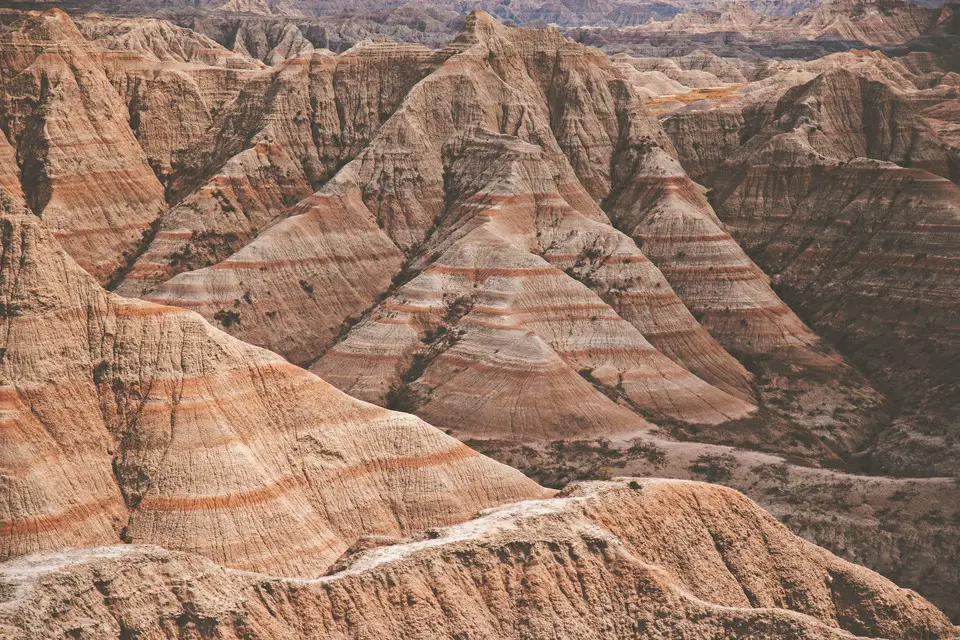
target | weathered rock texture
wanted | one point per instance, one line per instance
(872, 520)
(81, 167)
(497, 236)
(282, 135)
(495, 303)
(128, 420)
(638, 559)
(855, 242)
(428, 183)
(237, 145)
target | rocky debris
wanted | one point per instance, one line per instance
(125, 420)
(875, 521)
(634, 558)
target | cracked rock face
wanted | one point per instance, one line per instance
(86, 175)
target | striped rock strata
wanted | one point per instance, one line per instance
(124, 420)
(283, 133)
(862, 247)
(869, 255)
(81, 166)
(302, 284)
(460, 342)
(637, 559)
(400, 184)
(669, 216)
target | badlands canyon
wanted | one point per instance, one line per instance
(506, 319)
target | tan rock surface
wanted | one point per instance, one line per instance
(407, 211)
(320, 111)
(84, 171)
(455, 262)
(127, 420)
(639, 559)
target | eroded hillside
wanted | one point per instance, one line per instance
(504, 237)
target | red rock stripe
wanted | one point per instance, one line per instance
(72, 515)
(66, 233)
(454, 454)
(482, 273)
(315, 261)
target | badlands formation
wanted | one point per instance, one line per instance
(289, 308)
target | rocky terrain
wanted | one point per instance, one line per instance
(643, 559)
(130, 421)
(714, 261)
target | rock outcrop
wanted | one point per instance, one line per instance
(80, 165)
(256, 160)
(499, 237)
(497, 299)
(854, 241)
(868, 254)
(125, 420)
(436, 209)
(643, 559)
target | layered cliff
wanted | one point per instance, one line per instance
(80, 165)
(428, 193)
(857, 243)
(498, 237)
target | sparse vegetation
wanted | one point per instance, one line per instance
(100, 371)
(714, 468)
(227, 319)
(402, 398)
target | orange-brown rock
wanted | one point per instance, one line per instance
(400, 183)
(452, 343)
(321, 110)
(496, 236)
(639, 559)
(81, 167)
(127, 420)
(870, 247)
(669, 216)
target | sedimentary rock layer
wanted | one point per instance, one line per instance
(401, 184)
(81, 167)
(125, 420)
(868, 255)
(493, 302)
(285, 133)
